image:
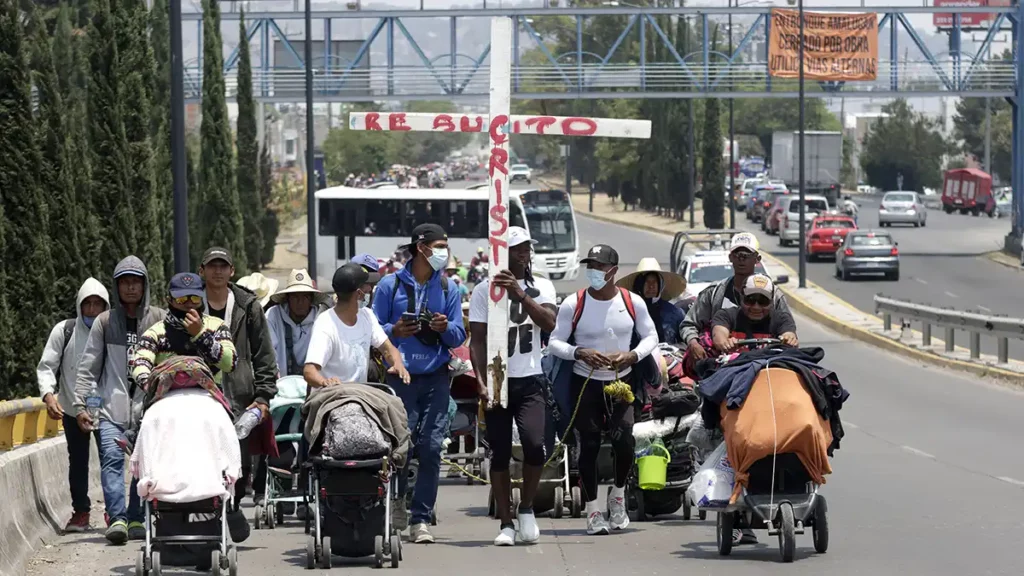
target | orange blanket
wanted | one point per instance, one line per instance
(750, 433)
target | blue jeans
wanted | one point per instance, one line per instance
(78, 463)
(112, 461)
(426, 402)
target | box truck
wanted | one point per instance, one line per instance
(823, 158)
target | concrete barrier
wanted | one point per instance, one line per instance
(35, 498)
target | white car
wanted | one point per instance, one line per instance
(708, 267)
(789, 219)
(520, 172)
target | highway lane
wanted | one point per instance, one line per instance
(926, 482)
(932, 270)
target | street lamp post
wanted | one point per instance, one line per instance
(310, 176)
(803, 193)
(732, 136)
(178, 176)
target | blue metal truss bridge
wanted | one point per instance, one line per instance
(348, 75)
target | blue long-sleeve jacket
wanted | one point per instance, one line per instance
(390, 302)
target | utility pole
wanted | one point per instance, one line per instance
(988, 135)
(310, 176)
(179, 178)
(803, 192)
(732, 137)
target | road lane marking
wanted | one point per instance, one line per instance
(1009, 480)
(951, 295)
(921, 453)
(920, 280)
(847, 424)
(985, 308)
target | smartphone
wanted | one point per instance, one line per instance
(410, 317)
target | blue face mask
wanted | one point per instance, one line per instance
(439, 258)
(88, 320)
(596, 279)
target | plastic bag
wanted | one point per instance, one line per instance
(712, 486)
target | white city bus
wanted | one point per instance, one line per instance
(353, 221)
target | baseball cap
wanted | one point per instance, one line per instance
(366, 261)
(745, 241)
(602, 254)
(351, 277)
(186, 284)
(759, 284)
(217, 253)
(518, 235)
(426, 233)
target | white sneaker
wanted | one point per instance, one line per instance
(420, 534)
(507, 537)
(596, 524)
(529, 532)
(617, 515)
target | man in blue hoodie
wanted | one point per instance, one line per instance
(422, 315)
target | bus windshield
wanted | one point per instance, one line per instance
(552, 228)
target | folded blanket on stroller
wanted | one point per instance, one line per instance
(385, 409)
(187, 449)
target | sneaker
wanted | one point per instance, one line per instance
(79, 523)
(399, 518)
(117, 532)
(617, 515)
(741, 537)
(136, 531)
(529, 532)
(420, 534)
(507, 536)
(596, 524)
(301, 510)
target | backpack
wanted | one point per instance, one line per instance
(69, 329)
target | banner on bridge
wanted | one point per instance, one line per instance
(836, 46)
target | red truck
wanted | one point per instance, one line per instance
(968, 190)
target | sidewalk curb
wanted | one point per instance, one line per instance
(1001, 258)
(644, 227)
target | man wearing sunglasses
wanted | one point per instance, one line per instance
(753, 318)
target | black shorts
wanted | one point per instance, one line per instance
(527, 405)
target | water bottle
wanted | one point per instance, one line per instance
(246, 422)
(643, 448)
(92, 406)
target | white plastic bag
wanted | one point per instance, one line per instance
(712, 486)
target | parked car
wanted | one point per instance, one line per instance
(827, 234)
(902, 208)
(1004, 203)
(868, 252)
(789, 227)
(520, 172)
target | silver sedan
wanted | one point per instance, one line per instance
(902, 208)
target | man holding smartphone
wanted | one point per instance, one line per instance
(421, 312)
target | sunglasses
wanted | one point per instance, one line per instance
(756, 299)
(182, 300)
(743, 255)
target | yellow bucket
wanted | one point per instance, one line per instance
(652, 470)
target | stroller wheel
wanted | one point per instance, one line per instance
(156, 566)
(140, 563)
(232, 561)
(215, 568)
(378, 551)
(396, 551)
(257, 517)
(787, 532)
(559, 503)
(310, 553)
(819, 531)
(576, 507)
(279, 514)
(268, 515)
(723, 532)
(702, 515)
(325, 553)
(687, 510)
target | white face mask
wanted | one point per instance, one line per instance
(364, 301)
(439, 258)
(596, 279)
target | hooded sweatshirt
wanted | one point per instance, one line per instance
(61, 356)
(104, 362)
(279, 320)
(390, 302)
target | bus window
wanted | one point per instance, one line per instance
(516, 215)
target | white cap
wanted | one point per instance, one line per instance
(745, 240)
(517, 235)
(759, 284)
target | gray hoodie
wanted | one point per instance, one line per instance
(60, 357)
(104, 362)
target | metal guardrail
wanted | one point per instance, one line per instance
(701, 237)
(1001, 327)
(25, 422)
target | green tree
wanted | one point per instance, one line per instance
(762, 117)
(969, 131)
(135, 70)
(6, 357)
(160, 130)
(112, 201)
(350, 151)
(270, 225)
(29, 268)
(55, 176)
(712, 169)
(904, 142)
(248, 155)
(221, 213)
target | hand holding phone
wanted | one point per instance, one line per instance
(408, 325)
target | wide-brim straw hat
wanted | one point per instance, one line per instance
(299, 282)
(674, 284)
(262, 286)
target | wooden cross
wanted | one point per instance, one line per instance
(498, 128)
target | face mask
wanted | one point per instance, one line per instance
(364, 301)
(88, 320)
(596, 279)
(439, 259)
(179, 314)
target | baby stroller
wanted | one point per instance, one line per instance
(465, 425)
(553, 492)
(351, 501)
(283, 485)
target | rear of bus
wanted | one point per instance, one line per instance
(552, 223)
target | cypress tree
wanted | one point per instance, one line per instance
(55, 176)
(26, 255)
(248, 155)
(160, 125)
(6, 364)
(712, 170)
(270, 224)
(135, 74)
(221, 213)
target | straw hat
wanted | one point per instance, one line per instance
(674, 283)
(262, 286)
(299, 282)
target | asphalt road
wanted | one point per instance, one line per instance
(927, 481)
(939, 265)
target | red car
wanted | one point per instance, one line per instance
(826, 235)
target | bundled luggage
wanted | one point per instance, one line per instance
(352, 434)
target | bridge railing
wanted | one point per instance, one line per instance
(1002, 328)
(25, 422)
(944, 76)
